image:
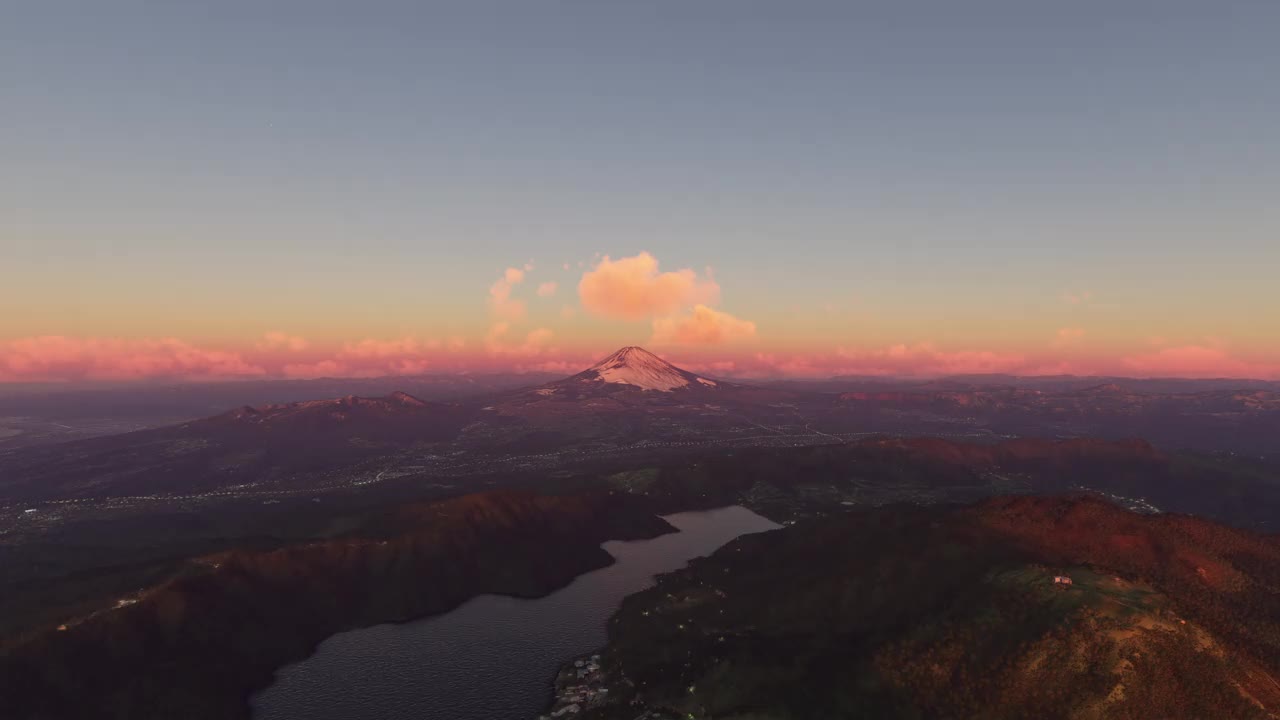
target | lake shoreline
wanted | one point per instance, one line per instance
(493, 657)
(201, 645)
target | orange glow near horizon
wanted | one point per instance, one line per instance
(531, 323)
(64, 359)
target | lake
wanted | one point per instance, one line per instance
(494, 657)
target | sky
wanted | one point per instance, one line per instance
(287, 188)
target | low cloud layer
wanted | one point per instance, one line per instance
(1068, 336)
(1197, 361)
(899, 360)
(696, 340)
(373, 357)
(927, 359)
(60, 358)
(282, 341)
(684, 323)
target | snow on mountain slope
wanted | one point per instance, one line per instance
(641, 368)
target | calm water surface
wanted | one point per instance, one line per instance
(494, 657)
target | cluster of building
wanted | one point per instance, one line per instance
(579, 686)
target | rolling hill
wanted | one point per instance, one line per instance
(908, 612)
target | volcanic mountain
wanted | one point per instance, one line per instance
(640, 368)
(633, 377)
(630, 395)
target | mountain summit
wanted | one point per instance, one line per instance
(640, 368)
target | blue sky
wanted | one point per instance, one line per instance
(935, 171)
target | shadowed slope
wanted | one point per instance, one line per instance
(198, 645)
(912, 613)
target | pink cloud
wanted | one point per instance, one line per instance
(535, 341)
(547, 289)
(632, 288)
(550, 366)
(1077, 298)
(372, 357)
(538, 338)
(500, 300)
(926, 359)
(282, 341)
(703, 326)
(1068, 336)
(1050, 367)
(381, 349)
(793, 366)
(496, 332)
(711, 367)
(504, 347)
(59, 358)
(322, 368)
(1197, 361)
(702, 336)
(919, 359)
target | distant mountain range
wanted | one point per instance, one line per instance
(1045, 383)
(186, 401)
(170, 402)
(632, 398)
(167, 572)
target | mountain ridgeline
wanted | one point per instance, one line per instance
(801, 481)
(198, 644)
(169, 572)
(1011, 608)
(630, 400)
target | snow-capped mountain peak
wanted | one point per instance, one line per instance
(641, 368)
